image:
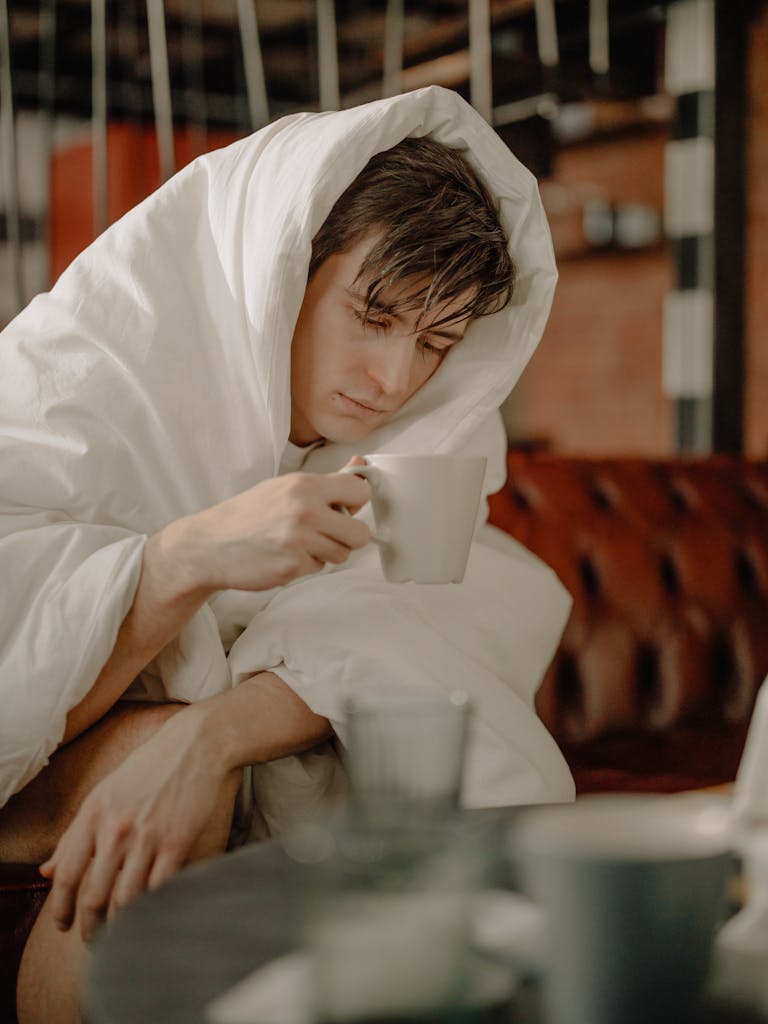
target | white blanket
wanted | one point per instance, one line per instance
(153, 381)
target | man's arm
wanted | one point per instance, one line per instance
(258, 721)
(138, 825)
(267, 536)
(165, 600)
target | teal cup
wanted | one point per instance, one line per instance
(634, 890)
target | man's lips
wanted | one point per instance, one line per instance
(362, 408)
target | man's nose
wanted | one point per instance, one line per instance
(391, 366)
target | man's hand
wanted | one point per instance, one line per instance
(139, 825)
(151, 815)
(277, 531)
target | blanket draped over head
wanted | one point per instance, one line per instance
(153, 381)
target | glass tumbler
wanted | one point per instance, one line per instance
(404, 752)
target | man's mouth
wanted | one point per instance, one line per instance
(363, 408)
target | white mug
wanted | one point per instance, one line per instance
(425, 510)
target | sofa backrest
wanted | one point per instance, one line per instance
(667, 562)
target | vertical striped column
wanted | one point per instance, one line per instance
(9, 158)
(327, 56)
(394, 38)
(689, 218)
(255, 83)
(161, 87)
(99, 105)
(481, 58)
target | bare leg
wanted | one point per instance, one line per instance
(34, 820)
(31, 824)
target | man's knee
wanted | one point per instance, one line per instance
(46, 994)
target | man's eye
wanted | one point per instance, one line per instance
(376, 323)
(427, 348)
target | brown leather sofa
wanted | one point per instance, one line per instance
(654, 681)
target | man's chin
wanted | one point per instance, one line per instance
(334, 430)
(338, 423)
(349, 435)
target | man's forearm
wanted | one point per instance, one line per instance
(259, 720)
(166, 598)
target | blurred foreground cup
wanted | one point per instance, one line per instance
(404, 754)
(388, 918)
(634, 888)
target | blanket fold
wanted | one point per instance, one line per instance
(489, 637)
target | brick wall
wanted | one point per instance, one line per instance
(594, 384)
(756, 319)
(133, 172)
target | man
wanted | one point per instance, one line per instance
(266, 312)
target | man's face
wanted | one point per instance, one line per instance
(348, 376)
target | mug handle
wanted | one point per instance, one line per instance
(369, 473)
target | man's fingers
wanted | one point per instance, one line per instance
(336, 536)
(347, 489)
(324, 550)
(48, 868)
(63, 898)
(67, 868)
(133, 878)
(96, 888)
(343, 528)
(167, 863)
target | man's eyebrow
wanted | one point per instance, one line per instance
(442, 332)
(382, 307)
(377, 304)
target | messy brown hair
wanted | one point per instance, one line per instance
(439, 233)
